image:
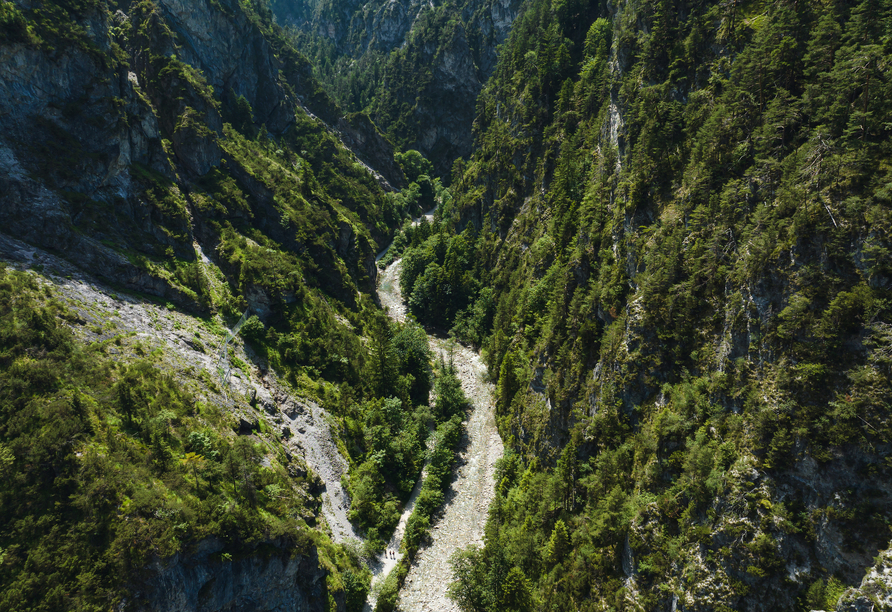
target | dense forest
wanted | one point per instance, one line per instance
(672, 244)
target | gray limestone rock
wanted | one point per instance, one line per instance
(270, 578)
(875, 592)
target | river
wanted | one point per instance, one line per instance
(463, 516)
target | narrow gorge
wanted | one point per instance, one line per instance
(637, 356)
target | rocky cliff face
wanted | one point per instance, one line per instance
(72, 128)
(107, 127)
(441, 90)
(268, 579)
(229, 50)
(353, 26)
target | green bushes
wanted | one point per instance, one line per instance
(390, 590)
(253, 329)
(472, 324)
(389, 438)
(413, 357)
(449, 398)
(106, 466)
(386, 437)
(13, 27)
(414, 165)
(237, 111)
(436, 279)
(355, 590)
(437, 479)
(824, 596)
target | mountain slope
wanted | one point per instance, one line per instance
(181, 162)
(415, 68)
(674, 251)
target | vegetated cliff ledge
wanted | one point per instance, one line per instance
(270, 577)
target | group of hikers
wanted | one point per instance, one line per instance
(390, 554)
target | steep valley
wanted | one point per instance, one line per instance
(636, 356)
(415, 67)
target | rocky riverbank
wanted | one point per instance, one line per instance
(463, 517)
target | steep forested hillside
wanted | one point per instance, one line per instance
(673, 245)
(671, 240)
(187, 163)
(416, 68)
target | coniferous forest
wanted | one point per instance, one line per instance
(273, 272)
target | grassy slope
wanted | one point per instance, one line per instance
(114, 456)
(134, 456)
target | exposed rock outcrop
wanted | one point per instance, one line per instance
(232, 53)
(72, 128)
(875, 591)
(267, 579)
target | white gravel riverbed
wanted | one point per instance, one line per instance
(463, 517)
